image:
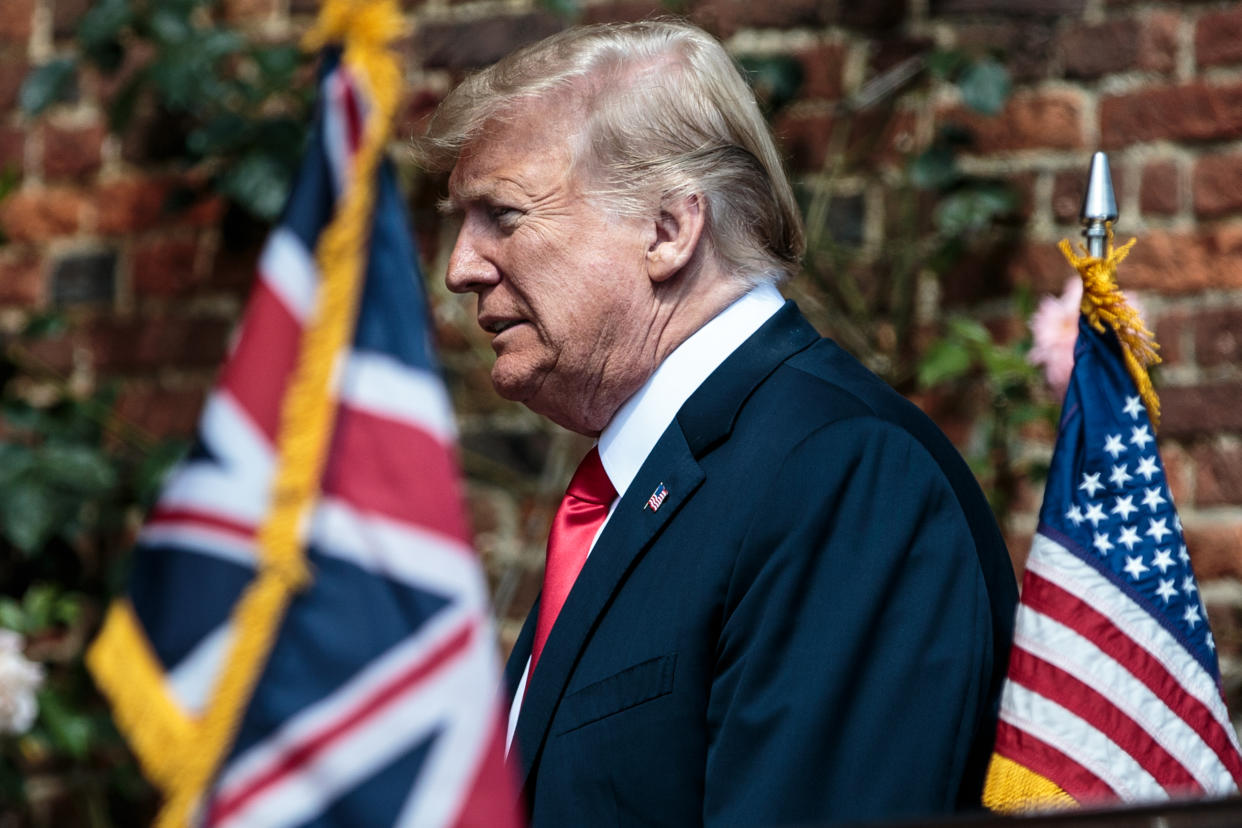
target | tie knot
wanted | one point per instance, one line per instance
(590, 482)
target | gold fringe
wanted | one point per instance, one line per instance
(308, 411)
(129, 674)
(1011, 788)
(366, 25)
(1104, 303)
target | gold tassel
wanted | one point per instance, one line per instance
(1014, 789)
(1104, 303)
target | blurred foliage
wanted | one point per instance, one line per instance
(776, 79)
(968, 361)
(74, 481)
(10, 179)
(231, 107)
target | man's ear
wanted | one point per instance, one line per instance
(679, 228)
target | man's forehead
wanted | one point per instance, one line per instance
(527, 155)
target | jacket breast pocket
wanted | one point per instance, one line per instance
(633, 686)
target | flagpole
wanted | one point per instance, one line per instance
(1099, 206)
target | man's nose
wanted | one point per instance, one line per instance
(469, 268)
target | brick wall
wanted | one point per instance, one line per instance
(152, 294)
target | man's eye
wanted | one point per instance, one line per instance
(506, 217)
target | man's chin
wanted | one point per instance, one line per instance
(516, 386)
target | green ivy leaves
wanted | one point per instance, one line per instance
(984, 86)
(233, 105)
(776, 79)
(51, 83)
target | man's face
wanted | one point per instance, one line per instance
(562, 284)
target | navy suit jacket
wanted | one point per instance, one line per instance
(811, 628)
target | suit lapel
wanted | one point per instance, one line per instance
(520, 654)
(703, 421)
(627, 534)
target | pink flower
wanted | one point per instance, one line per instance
(1055, 328)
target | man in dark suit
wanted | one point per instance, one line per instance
(775, 594)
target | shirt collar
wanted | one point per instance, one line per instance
(638, 424)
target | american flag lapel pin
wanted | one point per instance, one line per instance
(657, 497)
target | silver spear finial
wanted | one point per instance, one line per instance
(1099, 205)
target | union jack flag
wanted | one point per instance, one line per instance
(1113, 692)
(377, 704)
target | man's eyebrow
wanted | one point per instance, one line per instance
(460, 197)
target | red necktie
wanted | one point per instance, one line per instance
(581, 513)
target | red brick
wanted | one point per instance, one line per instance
(873, 14)
(165, 266)
(1019, 545)
(66, 14)
(42, 213)
(1214, 550)
(1217, 185)
(1026, 44)
(822, 67)
(1091, 51)
(1032, 8)
(887, 52)
(1218, 479)
(206, 211)
(12, 149)
(21, 276)
(1218, 37)
(623, 10)
(415, 111)
(875, 137)
(803, 138)
(160, 412)
(1190, 112)
(1068, 188)
(134, 344)
(1158, 193)
(1171, 329)
(1225, 616)
(726, 17)
(13, 69)
(1158, 43)
(16, 19)
(1218, 337)
(1174, 262)
(70, 152)
(883, 136)
(1023, 186)
(469, 44)
(127, 205)
(55, 353)
(1039, 265)
(239, 11)
(1191, 411)
(1033, 120)
(1178, 470)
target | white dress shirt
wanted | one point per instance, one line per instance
(636, 427)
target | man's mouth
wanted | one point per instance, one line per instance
(496, 326)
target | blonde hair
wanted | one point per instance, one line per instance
(666, 114)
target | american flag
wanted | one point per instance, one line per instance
(1113, 692)
(657, 497)
(378, 702)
